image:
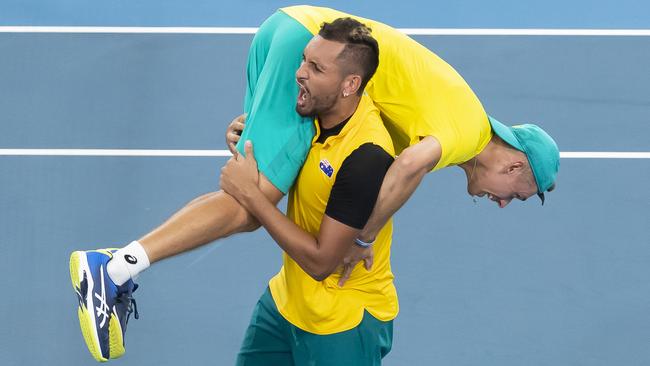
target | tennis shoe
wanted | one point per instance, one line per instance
(104, 308)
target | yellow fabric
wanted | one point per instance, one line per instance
(417, 92)
(324, 307)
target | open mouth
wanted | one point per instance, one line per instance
(489, 196)
(303, 95)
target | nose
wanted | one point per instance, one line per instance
(503, 203)
(301, 73)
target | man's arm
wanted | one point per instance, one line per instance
(318, 256)
(401, 180)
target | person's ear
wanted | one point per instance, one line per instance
(351, 84)
(515, 167)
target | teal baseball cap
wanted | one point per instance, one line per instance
(540, 149)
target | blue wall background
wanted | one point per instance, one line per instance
(407, 13)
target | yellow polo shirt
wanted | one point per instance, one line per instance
(417, 93)
(324, 307)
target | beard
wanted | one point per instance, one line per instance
(317, 105)
(306, 111)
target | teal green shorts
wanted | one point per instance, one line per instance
(281, 137)
(272, 340)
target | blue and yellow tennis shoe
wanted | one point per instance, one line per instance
(104, 308)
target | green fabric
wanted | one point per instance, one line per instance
(272, 340)
(281, 138)
(540, 148)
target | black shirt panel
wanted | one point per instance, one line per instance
(357, 185)
(327, 132)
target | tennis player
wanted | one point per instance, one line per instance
(304, 314)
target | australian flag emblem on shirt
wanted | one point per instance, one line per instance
(326, 168)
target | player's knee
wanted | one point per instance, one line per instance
(246, 221)
(240, 220)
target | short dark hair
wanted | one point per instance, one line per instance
(361, 52)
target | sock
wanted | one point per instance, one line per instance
(127, 263)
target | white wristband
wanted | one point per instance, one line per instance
(362, 243)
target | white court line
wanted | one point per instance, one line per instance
(226, 153)
(410, 31)
(113, 152)
(604, 155)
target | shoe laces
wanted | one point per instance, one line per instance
(132, 306)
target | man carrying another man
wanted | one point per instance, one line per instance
(306, 318)
(434, 119)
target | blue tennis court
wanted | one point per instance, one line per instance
(562, 284)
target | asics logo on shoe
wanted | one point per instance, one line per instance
(131, 259)
(102, 309)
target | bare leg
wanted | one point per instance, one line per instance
(205, 219)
